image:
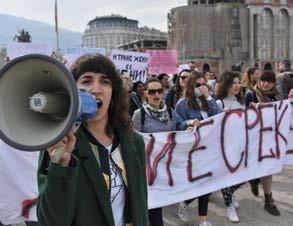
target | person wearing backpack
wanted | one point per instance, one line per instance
(153, 116)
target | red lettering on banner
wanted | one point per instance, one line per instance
(290, 152)
(251, 118)
(249, 126)
(278, 134)
(261, 131)
(168, 147)
(169, 158)
(238, 112)
(194, 149)
(149, 150)
(277, 125)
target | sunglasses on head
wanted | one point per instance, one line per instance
(154, 91)
(183, 77)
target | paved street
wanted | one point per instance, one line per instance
(251, 210)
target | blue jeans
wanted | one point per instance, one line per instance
(28, 223)
(32, 223)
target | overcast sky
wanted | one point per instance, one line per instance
(74, 14)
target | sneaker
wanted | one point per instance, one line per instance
(205, 223)
(235, 203)
(270, 205)
(232, 214)
(183, 211)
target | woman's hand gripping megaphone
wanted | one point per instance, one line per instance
(61, 152)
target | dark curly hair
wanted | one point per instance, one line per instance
(119, 119)
(190, 97)
(226, 82)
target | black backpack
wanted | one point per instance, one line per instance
(142, 113)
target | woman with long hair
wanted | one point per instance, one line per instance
(249, 79)
(100, 178)
(196, 105)
(164, 79)
(266, 91)
(154, 116)
(136, 96)
(229, 97)
(176, 92)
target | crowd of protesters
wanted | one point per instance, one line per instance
(193, 95)
(163, 103)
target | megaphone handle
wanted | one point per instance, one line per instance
(56, 154)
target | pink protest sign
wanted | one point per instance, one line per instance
(162, 61)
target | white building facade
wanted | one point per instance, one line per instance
(112, 31)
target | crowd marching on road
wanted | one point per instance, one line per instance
(101, 178)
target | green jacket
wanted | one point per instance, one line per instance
(78, 196)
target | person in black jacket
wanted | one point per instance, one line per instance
(285, 78)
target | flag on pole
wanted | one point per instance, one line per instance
(56, 17)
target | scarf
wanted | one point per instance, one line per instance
(267, 96)
(160, 114)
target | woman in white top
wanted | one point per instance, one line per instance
(230, 97)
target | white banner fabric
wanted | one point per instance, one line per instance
(71, 54)
(225, 150)
(289, 157)
(18, 180)
(16, 49)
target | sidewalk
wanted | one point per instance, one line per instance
(251, 211)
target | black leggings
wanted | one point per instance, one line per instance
(156, 217)
(203, 203)
(228, 192)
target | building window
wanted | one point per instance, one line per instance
(283, 34)
(266, 33)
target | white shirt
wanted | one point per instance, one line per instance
(229, 102)
(117, 196)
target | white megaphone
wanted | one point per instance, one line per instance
(39, 102)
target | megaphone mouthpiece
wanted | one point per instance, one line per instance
(50, 103)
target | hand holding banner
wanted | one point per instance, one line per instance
(225, 150)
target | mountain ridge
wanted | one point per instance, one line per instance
(40, 32)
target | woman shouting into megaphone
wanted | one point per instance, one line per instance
(100, 178)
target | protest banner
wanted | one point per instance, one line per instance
(71, 54)
(16, 49)
(19, 188)
(162, 61)
(133, 64)
(289, 158)
(224, 150)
